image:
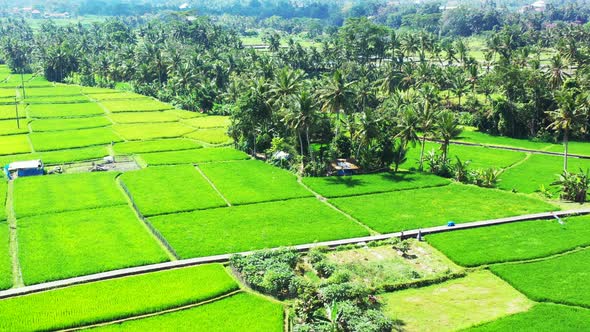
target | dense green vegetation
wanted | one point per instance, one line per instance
(253, 181)
(71, 244)
(391, 212)
(167, 189)
(52, 194)
(551, 317)
(254, 226)
(513, 242)
(114, 299)
(240, 312)
(373, 183)
(559, 279)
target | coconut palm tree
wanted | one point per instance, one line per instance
(334, 96)
(447, 128)
(565, 118)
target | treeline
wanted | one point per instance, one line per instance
(368, 93)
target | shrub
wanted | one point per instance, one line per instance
(574, 186)
(324, 268)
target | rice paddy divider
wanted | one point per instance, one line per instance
(17, 278)
(302, 248)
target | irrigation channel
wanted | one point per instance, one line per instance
(302, 247)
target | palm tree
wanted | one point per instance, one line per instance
(556, 74)
(426, 123)
(447, 128)
(300, 117)
(335, 95)
(285, 86)
(564, 118)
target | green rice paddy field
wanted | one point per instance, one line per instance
(190, 194)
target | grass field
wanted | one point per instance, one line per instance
(211, 136)
(253, 181)
(213, 121)
(581, 148)
(58, 140)
(405, 210)
(175, 144)
(64, 110)
(52, 194)
(71, 244)
(561, 279)
(473, 136)
(57, 100)
(240, 312)
(5, 264)
(541, 317)
(166, 189)
(60, 156)
(148, 131)
(114, 299)
(135, 105)
(254, 226)
(144, 117)
(456, 304)
(512, 242)
(538, 170)
(60, 90)
(69, 124)
(10, 127)
(3, 190)
(91, 90)
(193, 156)
(339, 186)
(107, 95)
(14, 144)
(9, 112)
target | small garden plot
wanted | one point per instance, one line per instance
(167, 189)
(5, 264)
(14, 144)
(143, 117)
(457, 304)
(212, 121)
(72, 244)
(147, 131)
(135, 105)
(562, 279)
(388, 267)
(58, 100)
(513, 242)
(9, 112)
(176, 144)
(10, 127)
(406, 210)
(541, 317)
(193, 156)
(479, 157)
(211, 136)
(55, 193)
(240, 312)
(537, 171)
(58, 140)
(69, 124)
(114, 299)
(116, 96)
(254, 226)
(64, 110)
(339, 186)
(253, 181)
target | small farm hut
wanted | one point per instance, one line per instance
(344, 166)
(24, 168)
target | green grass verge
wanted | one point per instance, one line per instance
(254, 226)
(212, 121)
(339, 186)
(175, 144)
(135, 105)
(211, 136)
(147, 131)
(167, 189)
(5, 262)
(541, 317)
(114, 299)
(76, 243)
(406, 210)
(59, 140)
(479, 297)
(60, 193)
(513, 242)
(143, 117)
(193, 156)
(253, 181)
(3, 191)
(14, 144)
(64, 110)
(240, 312)
(562, 279)
(539, 170)
(10, 127)
(69, 124)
